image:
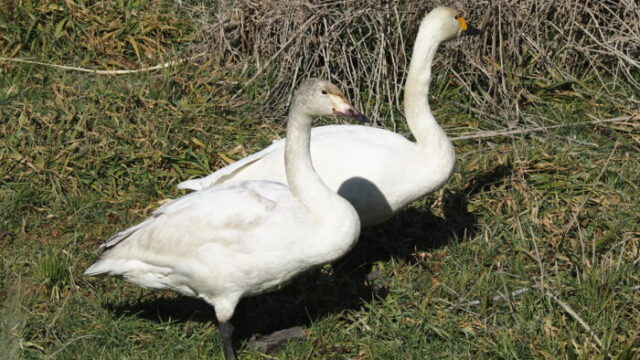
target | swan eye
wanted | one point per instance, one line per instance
(324, 92)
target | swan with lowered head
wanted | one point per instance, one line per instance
(243, 238)
(377, 170)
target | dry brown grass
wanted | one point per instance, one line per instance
(529, 47)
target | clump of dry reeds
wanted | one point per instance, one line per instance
(528, 45)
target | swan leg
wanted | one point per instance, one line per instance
(224, 307)
(226, 333)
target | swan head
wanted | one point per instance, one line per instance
(448, 23)
(317, 97)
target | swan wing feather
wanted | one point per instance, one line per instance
(222, 208)
(227, 172)
(331, 135)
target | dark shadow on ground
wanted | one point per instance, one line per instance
(348, 283)
(418, 229)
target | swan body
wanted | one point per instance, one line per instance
(190, 246)
(242, 238)
(377, 171)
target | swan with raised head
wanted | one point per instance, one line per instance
(376, 170)
(243, 238)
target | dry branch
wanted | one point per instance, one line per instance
(106, 72)
(487, 134)
(530, 48)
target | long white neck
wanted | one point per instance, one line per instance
(304, 182)
(423, 125)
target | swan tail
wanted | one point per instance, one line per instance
(101, 268)
(123, 235)
(138, 272)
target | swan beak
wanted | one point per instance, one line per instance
(342, 107)
(466, 29)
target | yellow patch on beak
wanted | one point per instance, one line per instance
(338, 101)
(463, 23)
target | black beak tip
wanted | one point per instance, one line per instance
(361, 118)
(472, 31)
(354, 114)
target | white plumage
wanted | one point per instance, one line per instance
(377, 170)
(245, 237)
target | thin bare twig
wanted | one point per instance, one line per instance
(105, 72)
(502, 296)
(486, 134)
(53, 355)
(496, 298)
(575, 315)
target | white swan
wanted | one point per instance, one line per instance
(246, 237)
(377, 170)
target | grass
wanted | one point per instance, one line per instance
(83, 156)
